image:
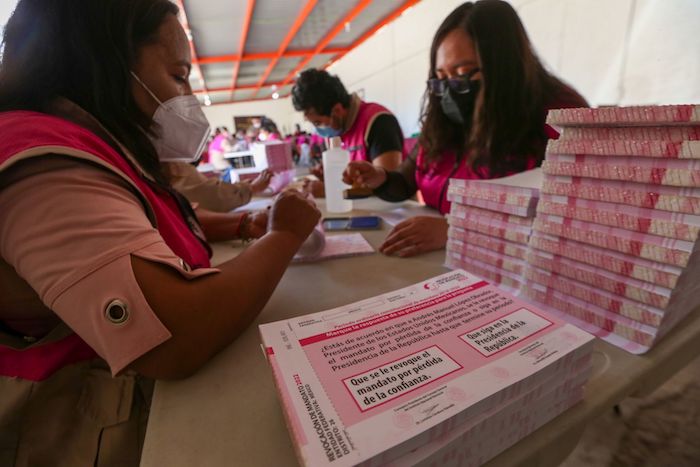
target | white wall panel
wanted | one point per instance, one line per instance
(594, 46)
(663, 60)
(373, 56)
(544, 22)
(413, 31)
(379, 87)
(411, 75)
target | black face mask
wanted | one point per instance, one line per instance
(459, 108)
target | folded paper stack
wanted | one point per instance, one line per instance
(490, 225)
(614, 243)
(449, 371)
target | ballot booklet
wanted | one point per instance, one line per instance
(399, 377)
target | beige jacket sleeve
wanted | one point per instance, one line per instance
(211, 193)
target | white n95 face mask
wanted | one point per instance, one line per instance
(183, 129)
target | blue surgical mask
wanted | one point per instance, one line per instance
(327, 131)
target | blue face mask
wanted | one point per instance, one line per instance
(327, 131)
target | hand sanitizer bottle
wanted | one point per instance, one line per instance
(335, 159)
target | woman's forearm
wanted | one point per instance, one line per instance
(206, 314)
(219, 226)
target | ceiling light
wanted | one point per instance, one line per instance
(275, 95)
(207, 100)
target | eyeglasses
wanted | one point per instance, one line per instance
(461, 84)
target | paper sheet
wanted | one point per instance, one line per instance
(398, 215)
(341, 246)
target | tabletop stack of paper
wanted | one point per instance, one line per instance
(614, 240)
(449, 371)
(490, 225)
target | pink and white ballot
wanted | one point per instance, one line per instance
(380, 378)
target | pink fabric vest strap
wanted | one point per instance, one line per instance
(432, 178)
(355, 139)
(32, 134)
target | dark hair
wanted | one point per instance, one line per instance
(83, 50)
(318, 90)
(508, 121)
(269, 126)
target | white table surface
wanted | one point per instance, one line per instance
(228, 413)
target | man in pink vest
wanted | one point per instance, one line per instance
(369, 131)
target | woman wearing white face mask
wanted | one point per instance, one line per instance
(105, 274)
(182, 132)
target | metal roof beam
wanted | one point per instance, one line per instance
(356, 10)
(339, 51)
(266, 55)
(257, 99)
(193, 51)
(298, 22)
(239, 88)
(241, 46)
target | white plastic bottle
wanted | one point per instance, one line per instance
(335, 159)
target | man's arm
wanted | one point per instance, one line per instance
(385, 142)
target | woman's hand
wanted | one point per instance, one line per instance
(364, 174)
(261, 182)
(255, 226)
(295, 213)
(415, 236)
(317, 171)
(255, 272)
(315, 188)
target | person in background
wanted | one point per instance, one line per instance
(317, 145)
(204, 158)
(293, 144)
(269, 131)
(300, 136)
(211, 192)
(240, 143)
(220, 145)
(105, 279)
(484, 111)
(369, 131)
(251, 135)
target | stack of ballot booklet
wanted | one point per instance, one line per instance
(450, 369)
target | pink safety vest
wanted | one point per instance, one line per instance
(355, 138)
(31, 134)
(301, 139)
(217, 144)
(432, 179)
